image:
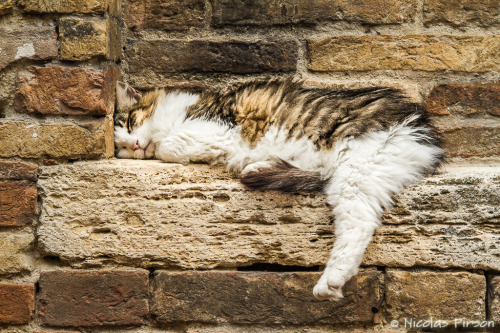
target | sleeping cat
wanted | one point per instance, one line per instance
(359, 147)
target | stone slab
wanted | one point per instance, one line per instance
(154, 214)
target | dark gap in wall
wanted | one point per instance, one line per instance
(381, 268)
(54, 260)
(278, 268)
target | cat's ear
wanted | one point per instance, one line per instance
(126, 96)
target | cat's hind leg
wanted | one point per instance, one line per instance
(367, 172)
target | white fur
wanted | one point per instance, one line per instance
(363, 172)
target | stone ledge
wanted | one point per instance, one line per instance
(153, 214)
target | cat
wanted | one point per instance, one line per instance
(359, 147)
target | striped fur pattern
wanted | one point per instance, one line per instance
(359, 147)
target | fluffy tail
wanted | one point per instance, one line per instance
(284, 177)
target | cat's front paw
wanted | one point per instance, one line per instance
(328, 290)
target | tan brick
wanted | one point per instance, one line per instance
(70, 6)
(28, 42)
(71, 91)
(464, 98)
(413, 52)
(170, 56)
(255, 12)
(17, 203)
(15, 253)
(422, 295)
(17, 303)
(18, 171)
(494, 298)
(90, 139)
(93, 298)
(164, 15)
(461, 13)
(82, 39)
(259, 298)
(479, 141)
(5, 6)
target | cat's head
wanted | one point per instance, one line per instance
(133, 122)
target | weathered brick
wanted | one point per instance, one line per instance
(17, 203)
(93, 298)
(15, 249)
(29, 42)
(169, 56)
(164, 15)
(422, 295)
(5, 6)
(479, 141)
(460, 13)
(494, 298)
(90, 139)
(17, 303)
(412, 52)
(263, 298)
(70, 6)
(464, 98)
(71, 91)
(18, 171)
(259, 12)
(82, 39)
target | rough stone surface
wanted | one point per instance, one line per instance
(154, 214)
(71, 91)
(170, 56)
(17, 303)
(263, 298)
(5, 6)
(464, 98)
(494, 298)
(18, 171)
(258, 12)
(83, 39)
(430, 53)
(15, 249)
(70, 6)
(93, 298)
(460, 13)
(439, 295)
(471, 141)
(164, 15)
(90, 139)
(17, 203)
(27, 42)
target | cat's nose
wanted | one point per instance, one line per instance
(136, 146)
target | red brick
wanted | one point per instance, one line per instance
(18, 171)
(17, 203)
(471, 141)
(164, 15)
(170, 56)
(69, 91)
(36, 43)
(17, 303)
(259, 298)
(93, 298)
(464, 98)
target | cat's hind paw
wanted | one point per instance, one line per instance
(323, 291)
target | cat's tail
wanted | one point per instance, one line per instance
(284, 177)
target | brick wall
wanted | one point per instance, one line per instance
(80, 252)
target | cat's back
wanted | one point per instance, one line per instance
(321, 115)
